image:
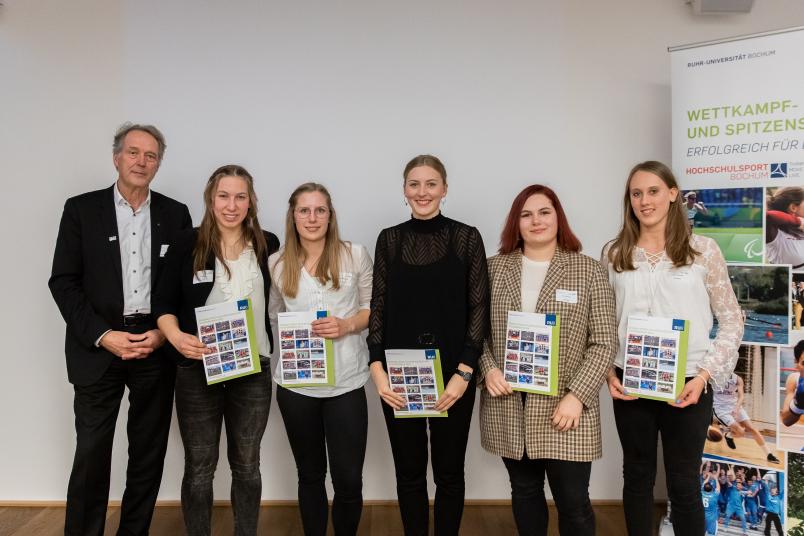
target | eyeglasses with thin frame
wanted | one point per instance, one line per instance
(305, 212)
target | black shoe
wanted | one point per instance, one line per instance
(773, 459)
(730, 442)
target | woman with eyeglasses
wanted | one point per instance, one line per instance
(223, 260)
(317, 271)
(430, 291)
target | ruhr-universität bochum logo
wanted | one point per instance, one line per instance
(778, 170)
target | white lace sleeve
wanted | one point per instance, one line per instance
(721, 358)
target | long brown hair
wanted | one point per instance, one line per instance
(209, 237)
(294, 254)
(511, 237)
(676, 234)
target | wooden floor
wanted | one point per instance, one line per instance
(284, 521)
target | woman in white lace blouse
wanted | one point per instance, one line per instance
(658, 268)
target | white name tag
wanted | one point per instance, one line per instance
(203, 276)
(163, 249)
(566, 296)
(112, 238)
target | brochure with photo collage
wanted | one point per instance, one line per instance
(228, 330)
(655, 357)
(416, 376)
(531, 352)
(305, 360)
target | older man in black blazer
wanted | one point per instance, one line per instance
(108, 256)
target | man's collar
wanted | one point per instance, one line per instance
(120, 201)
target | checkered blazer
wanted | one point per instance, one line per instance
(587, 345)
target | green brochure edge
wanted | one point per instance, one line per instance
(255, 350)
(553, 365)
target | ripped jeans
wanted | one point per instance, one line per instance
(243, 404)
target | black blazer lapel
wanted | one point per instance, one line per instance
(157, 235)
(111, 235)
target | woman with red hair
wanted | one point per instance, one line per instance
(540, 269)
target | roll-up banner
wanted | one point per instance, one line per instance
(738, 153)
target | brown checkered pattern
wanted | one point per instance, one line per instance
(587, 344)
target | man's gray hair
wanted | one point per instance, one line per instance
(125, 128)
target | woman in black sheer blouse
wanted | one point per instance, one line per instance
(430, 291)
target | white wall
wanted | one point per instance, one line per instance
(508, 93)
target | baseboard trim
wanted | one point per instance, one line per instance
(173, 503)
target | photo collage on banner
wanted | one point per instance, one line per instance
(738, 152)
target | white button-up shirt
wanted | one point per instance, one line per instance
(354, 294)
(134, 237)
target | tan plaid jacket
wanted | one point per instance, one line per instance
(587, 344)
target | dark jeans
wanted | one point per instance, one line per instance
(448, 438)
(336, 426)
(243, 403)
(777, 523)
(150, 385)
(639, 422)
(569, 482)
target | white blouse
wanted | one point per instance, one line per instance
(354, 294)
(245, 282)
(693, 292)
(533, 274)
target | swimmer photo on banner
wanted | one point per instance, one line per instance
(763, 293)
(732, 217)
(745, 412)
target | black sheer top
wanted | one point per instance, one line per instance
(430, 289)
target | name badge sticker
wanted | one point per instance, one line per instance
(163, 249)
(203, 276)
(112, 238)
(566, 296)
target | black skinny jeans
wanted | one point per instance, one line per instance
(569, 483)
(243, 403)
(336, 426)
(683, 431)
(448, 438)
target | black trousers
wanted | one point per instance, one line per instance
(150, 384)
(569, 483)
(336, 426)
(683, 431)
(448, 438)
(777, 523)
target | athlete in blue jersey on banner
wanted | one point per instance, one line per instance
(793, 407)
(734, 504)
(773, 507)
(752, 500)
(709, 493)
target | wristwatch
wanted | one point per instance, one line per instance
(467, 376)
